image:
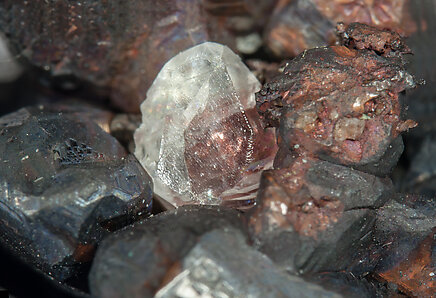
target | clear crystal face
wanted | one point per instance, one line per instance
(200, 137)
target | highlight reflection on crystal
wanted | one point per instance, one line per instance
(64, 185)
(200, 137)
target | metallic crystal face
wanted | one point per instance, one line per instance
(200, 137)
(64, 184)
(185, 253)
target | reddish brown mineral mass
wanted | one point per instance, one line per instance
(393, 14)
(338, 114)
(117, 46)
(342, 102)
(309, 215)
(302, 24)
(416, 274)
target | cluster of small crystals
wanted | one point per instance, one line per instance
(200, 138)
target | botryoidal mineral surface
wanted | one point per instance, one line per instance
(64, 184)
(201, 139)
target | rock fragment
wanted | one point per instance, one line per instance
(342, 104)
(303, 24)
(64, 184)
(117, 46)
(315, 216)
(190, 252)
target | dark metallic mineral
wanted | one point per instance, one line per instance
(415, 274)
(64, 184)
(316, 216)
(406, 244)
(342, 104)
(117, 45)
(421, 102)
(190, 252)
(421, 174)
(301, 24)
(349, 285)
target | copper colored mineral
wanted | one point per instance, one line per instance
(341, 103)
(315, 215)
(415, 275)
(302, 24)
(361, 36)
(405, 236)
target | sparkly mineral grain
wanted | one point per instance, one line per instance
(201, 139)
(64, 184)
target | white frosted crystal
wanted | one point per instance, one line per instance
(200, 137)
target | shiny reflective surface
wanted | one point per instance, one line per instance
(201, 139)
(64, 184)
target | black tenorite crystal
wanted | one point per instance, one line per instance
(64, 184)
(190, 252)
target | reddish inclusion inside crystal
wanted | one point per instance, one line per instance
(220, 154)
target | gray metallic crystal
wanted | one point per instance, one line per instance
(64, 184)
(193, 251)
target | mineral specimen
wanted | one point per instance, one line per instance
(315, 215)
(296, 26)
(118, 46)
(186, 253)
(201, 139)
(383, 42)
(349, 285)
(415, 275)
(405, 237)
(421, 174)
(64, 184)
(301, 24)
(341, 103)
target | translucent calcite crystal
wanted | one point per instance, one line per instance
(200, 138)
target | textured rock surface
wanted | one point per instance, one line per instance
(302, 24)
(415, 275)
(406, 244)
(190, 252)
(117, 45)
(316, 216)
(200, 138)
(401, 226)
(350, 285)
(64, 184)
(342, 104)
